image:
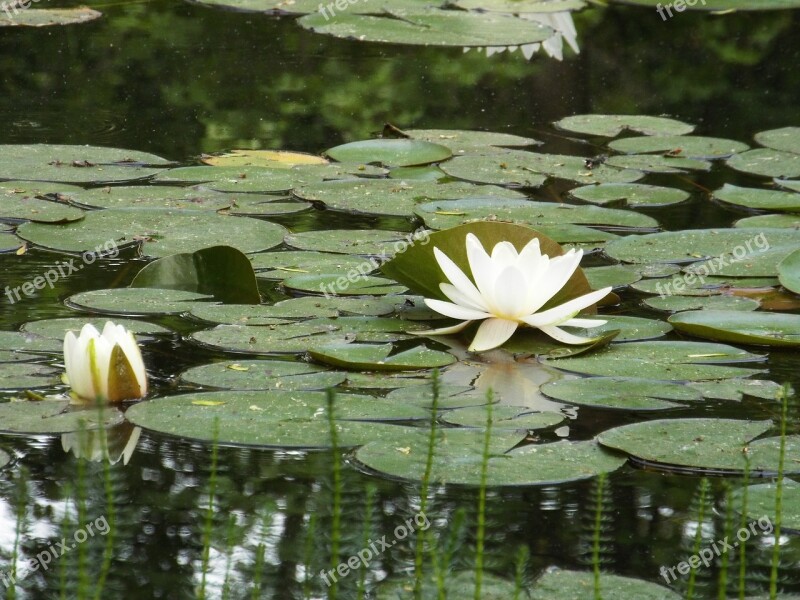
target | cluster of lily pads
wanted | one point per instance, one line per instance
(248, 268)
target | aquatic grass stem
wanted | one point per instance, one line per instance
(776, 548)
(336, 521)
(209, 519)
(442, 564)
(722, 587)
(520, 566)
(229, 543)
(698, 536)
(598, 522)
(108, 551)
(308, 553)
(742, 525)
(366, 535)
(80, 495)
(479, 542)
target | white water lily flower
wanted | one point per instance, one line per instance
(105, 367)
(508, 290)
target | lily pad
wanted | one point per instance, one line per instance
(681, 303)
(531, 169)
(136, 301)
(262, 158)
(379, 357)
(521, 6)
(367, 242)
(685, 146)
(767, 162)
(76, 164)
(761, 502)
(150, 196)
(613, 125)
(786, 139)
(234, 179)
(769, 222)
(280, 265)
(23, 341)
(737, 389)
(622, 393)
(580, 585)
(759, 328)
(460, 141)
(516, 418)
(657, 163)
(724, 5)
(16, 207)
(664, 360)
(160, 232)
(296, 338)
(611, 275)
(56, 329)
(629, 194)
(350, 284)
(788, 184)
(306, 307)
(459, 584)
(391, 152)
(761, 261)
(789, 272)
(458, 454)
(433, 27)
(22, 376)
(275, 419)
(758, 198)
(691, 285)
(263, 375)
(450, 396)
(20, 16)
(53, 417)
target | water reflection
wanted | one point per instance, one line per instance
(95, 445)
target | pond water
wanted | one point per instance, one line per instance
(179, 80)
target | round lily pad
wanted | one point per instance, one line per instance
(256, 205)
(272, 418)
(280, 265)
(233, 179)
(150, 196)
(761, 503)
(23, 376)
(76, 164)
(459, 584)
(769, 222)
(351, 241)
(694, 285)
(531, 169)
(622, 393)
(426, 173)
(263, 375)
(432, 27)
(517, 7)
(458, 454)
(723, 5)
(387, 381)
(578, 585)
(160, 231)
(53, 417)
(611, 275)
(295, 338)
(450, 396)
(681, 303)
(350, 284)
(21, 207)
(664, 360)
(136, 301)
(460, 141)
(758, 198)
(630, 328)
(697, 444)
(786, 139)
(309, 306)
(788, 184)
(57, 328)
(629, 194)
(379, 357)
(789, 272)
(679, 145)
(23, 16)
(262, 158)
(503, 417)
(737, 389)
(658, 163)
(391, 152)
(758, 263)
(613, 125)
(19, 341)
(9, 242)
(767, 162)
(759, 328)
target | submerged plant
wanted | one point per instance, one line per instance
(105, 367)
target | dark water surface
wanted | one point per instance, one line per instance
(179, 80)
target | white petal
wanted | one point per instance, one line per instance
(79, 373)
(492, 333)
(504, 255)
(510, 290)
(102, 363)
(562, 312)
(455, 295)
(530, 255)
(528, 50)
(443, 330)
(559, 271)
(482, 268)
(127, 452)
(564, 337)
(583, 323)
(457, 277)
(455, 311)
(131, 349)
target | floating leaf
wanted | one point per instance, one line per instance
(521, 6)
(679, 145)
(789, 272)
(22, 376)
(136, 301)
(262, 158)
(390, 152)
(296, 338)
(351, 241)
(16, 207)
(681, 303)
(150, 196)
(769, 222)
(280, 265)
(450, 396)
(736, 389)
(629, 194)
(56, 329)
(656, 163)
(263, 375)
(53, 416)
(767, 162)
(578, 585)
(379, 357)
(758, 198)
(460, 141)
(759, 328)
(623, 393)
(515, 418)
(349, 284)
(761, 502)
(613, 125)
(22, 16)
(612, 275)
(786, 139)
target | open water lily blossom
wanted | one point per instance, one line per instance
(105, 367)
(508, 289)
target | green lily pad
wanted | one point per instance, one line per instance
(630, 328)
(737, 389)
(759, 328)
(296, 338)
(76, 164)
(272, 418)
(684, 146)
(657, 163)
(516, 418)
(691, 285)
(150, 196)
(767, 162)
(789, 272)
(426, 173)
(23, 376)
(262, 158)
(233, 179)
(460, 141)
(786, 139)
(390, 197)
(390, 152)
(136, 301)
(788, 184)
(21, 341)
(389, 381)
(621, 393)
(256, 205)
(450, 396)
(21, 16)
(723, 5)
(761, 262)
(613, 125)
(459, 584)
(280, 265)
(681, 303)
(367, 242)
(457, 459)
(161, 232)
(695, 244)
(579, 585)
(379, 357)
(263, 375)
(431, 27)
(612, 275)
(9, 242)
(219, 271)
(531, 169)
(521, 6)
(758, 198)
(665, 360)
(304, 7)
(629, 194)
(441, 214)
(56, 329)
(769, 222)
(698, 444)
(15, 207)
(350, 284)
(53, 417)
(761, 503)
(306, 307)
